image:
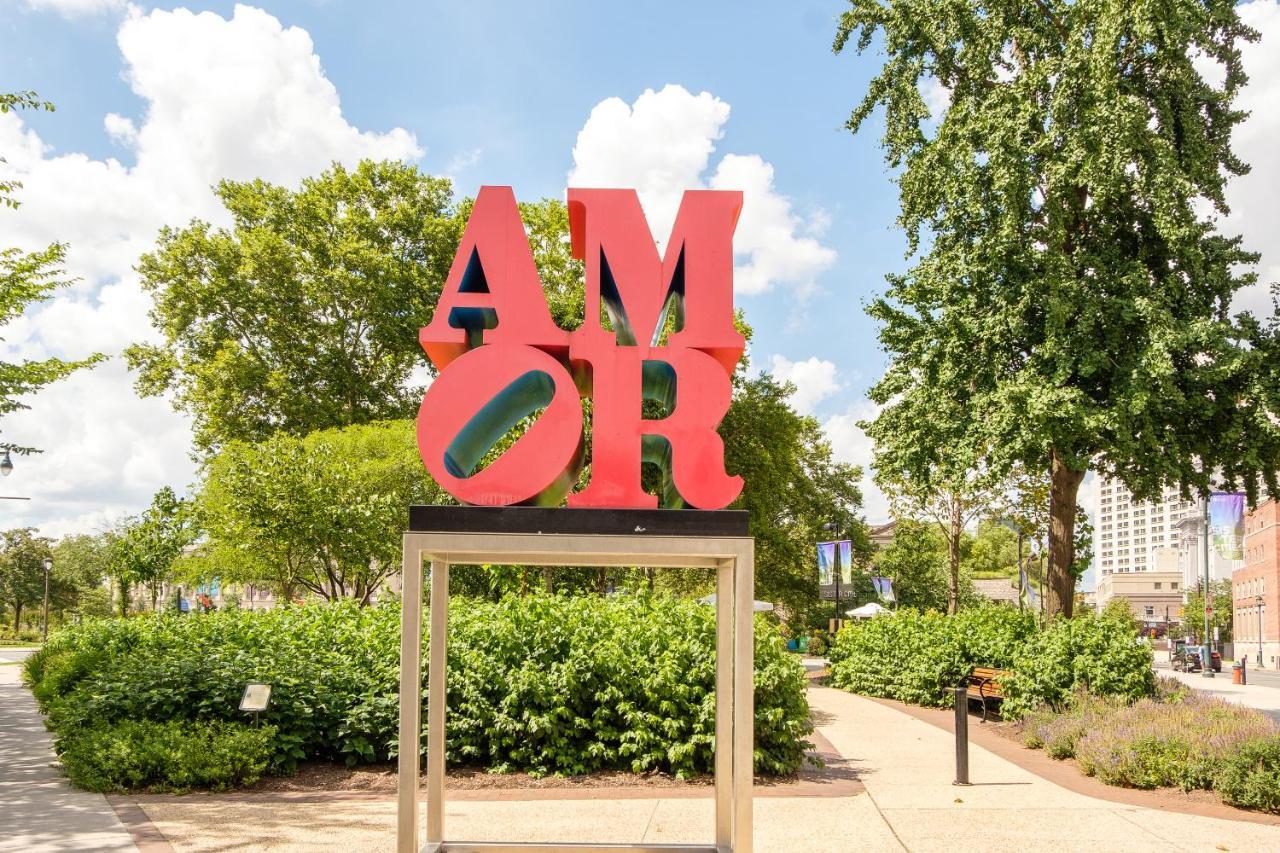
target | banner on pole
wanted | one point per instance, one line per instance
(884, 587)
(827, 553)
(1226, 524)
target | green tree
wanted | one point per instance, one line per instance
(80, 565)
(791, 487)
(22, 556)
(993, 550)
(304, 314)
(322, 513)
(916, 562)
(1070, 303)
(1223, 610)
(148, 547)
(27, 278)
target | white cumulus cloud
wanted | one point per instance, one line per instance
(662, 144)
(241, 97)
(850, 444)
(814, 378)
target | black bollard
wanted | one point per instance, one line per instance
(962, 735)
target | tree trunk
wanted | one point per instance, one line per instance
(955, 529)
(17, 616)
(602, 581)
(1064, 484)
(547, 579)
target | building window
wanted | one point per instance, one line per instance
(1173, 585)
(1149, 611)
(1158, 585)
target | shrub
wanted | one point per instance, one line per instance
(546, 684)
(1151, 745)
(915, 657)
(1250, 778)
(169, 756)
(1097, 654)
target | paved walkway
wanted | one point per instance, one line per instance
(904, 763)
(1261, 696)
(39, 811)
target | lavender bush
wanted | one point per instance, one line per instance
(1184, 741)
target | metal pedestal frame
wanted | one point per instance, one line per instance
(732, 557)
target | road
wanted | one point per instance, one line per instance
(1261, 677)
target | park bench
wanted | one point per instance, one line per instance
(983, 684)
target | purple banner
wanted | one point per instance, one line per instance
(1226, 524)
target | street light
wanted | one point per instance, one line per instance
(48, 567)
(6, 464)
(1206, 668)
(1258, 601)
(835, 527)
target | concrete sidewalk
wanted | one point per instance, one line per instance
(39, 811)
(905, 764)
(1260, 696)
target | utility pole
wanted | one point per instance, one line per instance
(48, 566)
(1206, 663)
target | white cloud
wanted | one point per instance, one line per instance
(850, 444)
(77, 8)
(814, 378)
(1252, 197)
(221, 98)
(662, 145)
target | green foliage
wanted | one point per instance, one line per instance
(1250, 778)
(914, 657)
(916, 560)
(1100, 654)
(546, 684)
(304, 314)
(1224, 609)
(165, 756)
(321, 513)
(22, 556)
(1069, 302)
(10, 101)
(780, 452)
(145, 549)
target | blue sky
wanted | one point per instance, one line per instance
(154, 105)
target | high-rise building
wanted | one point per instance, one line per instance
(1255, 588)
(1137, 536)
(1142, 536)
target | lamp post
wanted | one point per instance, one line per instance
(1258, 601)
(1206, 663)
(835, 527)
(48, 567)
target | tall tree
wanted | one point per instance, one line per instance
(1070, 305)
(22, 556)
(321, 513)
(305, 313)
(149, 546)
(27, 278)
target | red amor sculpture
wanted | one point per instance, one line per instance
(502, 358)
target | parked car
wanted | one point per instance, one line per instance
(1187, 659)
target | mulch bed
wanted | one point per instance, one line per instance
(381, 778)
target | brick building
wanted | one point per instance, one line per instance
(1255, 587)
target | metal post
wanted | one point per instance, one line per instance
(962, 735)
(724, 705)
(46, 601)
(744, 716)
(436, 705)
(837, 622)
(410, 742)
(1206, 662)
(1258, 602)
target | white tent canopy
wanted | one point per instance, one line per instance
(758, 605)
(867, 611)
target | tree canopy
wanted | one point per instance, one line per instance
(1069, 300)
(322, 513)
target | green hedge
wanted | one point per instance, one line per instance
(914, 657)
(545, 684)
(172, 756)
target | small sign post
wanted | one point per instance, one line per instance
(256, 698)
